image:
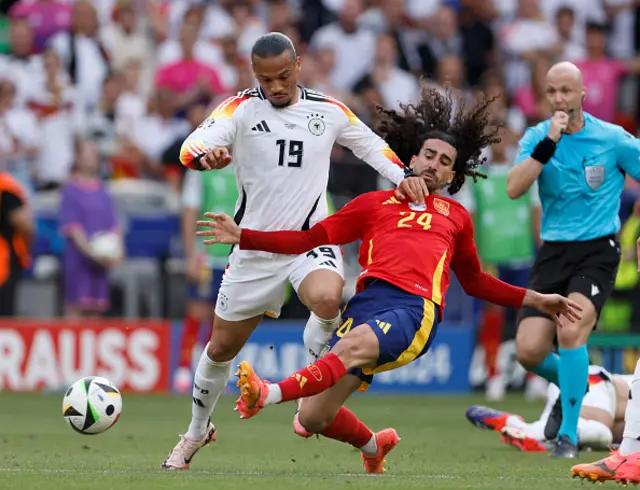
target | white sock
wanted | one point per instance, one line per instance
(594, 434)
(274, 396)
(370, 448)
(631, 436)
(317, 332)
(208, 383)
(515, 422)
(535, 430)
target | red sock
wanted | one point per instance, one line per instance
(313, 379)
(346, 427)
(188, 340)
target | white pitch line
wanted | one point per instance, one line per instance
(196, 473)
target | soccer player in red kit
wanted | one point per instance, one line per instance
(406, 254)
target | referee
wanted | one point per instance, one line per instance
(580, 163)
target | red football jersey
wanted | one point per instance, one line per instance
(410, 246)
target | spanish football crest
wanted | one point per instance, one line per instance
(441, 206)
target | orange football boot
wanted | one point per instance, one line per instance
(386, 440)
(629, 471)
(253, 391)
(602, 470)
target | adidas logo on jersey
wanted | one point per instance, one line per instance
(262, 127)
(393, 200)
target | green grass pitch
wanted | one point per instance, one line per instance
(439, 449)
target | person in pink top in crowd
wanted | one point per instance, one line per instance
(47, 17)
(189, 77)
(602, 74)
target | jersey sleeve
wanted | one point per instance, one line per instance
(628, 155)
(218, 130)
(528, 142)
(345, 226)
(368, 146)
(466, 265)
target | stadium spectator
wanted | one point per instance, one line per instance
(20, 128)
(87, 213)
(16, 235)
(83, 56)
(602, 74)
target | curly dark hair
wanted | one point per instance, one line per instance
(468, 132)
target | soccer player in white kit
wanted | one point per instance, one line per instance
(280, 135)
(623, 464)
(600, 424)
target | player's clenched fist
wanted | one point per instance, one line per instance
(222, 229)
(558, 125)
(215, 159)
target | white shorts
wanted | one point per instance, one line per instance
(602, 392)
(255, 282)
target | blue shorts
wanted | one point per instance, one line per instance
(206, 292)
(404, 323)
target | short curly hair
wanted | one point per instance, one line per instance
(469, 131)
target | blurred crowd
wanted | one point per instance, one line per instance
(123, 82)
(135, 76)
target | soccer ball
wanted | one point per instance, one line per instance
(92, 405)
(106, 244)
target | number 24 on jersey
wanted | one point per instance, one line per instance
(409, 220)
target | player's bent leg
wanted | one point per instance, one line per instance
(210, 379)
(326, 415)
(359, 348)
(321, 292)
(320, 410)
(573, 375)
(534, 343)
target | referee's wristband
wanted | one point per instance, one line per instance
(544, 150)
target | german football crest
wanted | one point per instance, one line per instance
(441, 206)
(316, 124)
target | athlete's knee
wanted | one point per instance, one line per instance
(325, 301)
(531, 354)
(358, 348)
(221, 351)
(534, 341)
(315, 418)
(227, 338)
(573, 335)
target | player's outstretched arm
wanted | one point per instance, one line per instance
(345, 226)
(479, 284)
(222, 229)
(373, 150)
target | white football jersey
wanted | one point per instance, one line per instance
(281, 155)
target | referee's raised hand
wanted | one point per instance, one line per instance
(558, 125)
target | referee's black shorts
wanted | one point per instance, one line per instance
(589, 268)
